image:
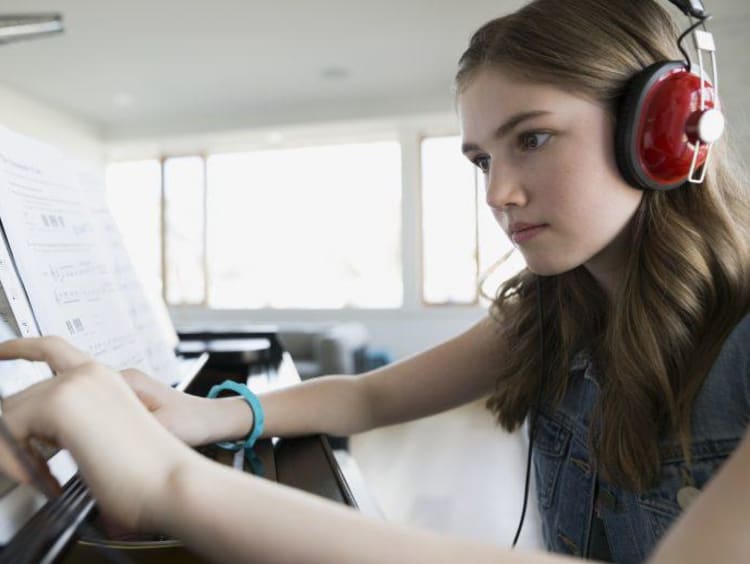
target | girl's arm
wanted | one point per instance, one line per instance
(257, 520)
(253, 520)
(448, 375)
(455, 372)
(154, 482)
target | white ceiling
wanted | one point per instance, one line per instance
(155, 67)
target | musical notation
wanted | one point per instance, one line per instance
(65, 248)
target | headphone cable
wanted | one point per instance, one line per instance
(532, 429)
(701, 22)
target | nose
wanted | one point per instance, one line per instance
(503, 189)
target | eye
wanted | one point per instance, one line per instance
(532, 140)
(482, 162)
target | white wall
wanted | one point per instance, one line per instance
(75, 137)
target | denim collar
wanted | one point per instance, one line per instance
(583, 362)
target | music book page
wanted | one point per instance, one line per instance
(71, 262)
(149, 316)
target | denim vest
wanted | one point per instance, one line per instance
(634, 522)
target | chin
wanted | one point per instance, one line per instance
(548, 268)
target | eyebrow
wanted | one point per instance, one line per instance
(507, 127)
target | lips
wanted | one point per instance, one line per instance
(520, 232)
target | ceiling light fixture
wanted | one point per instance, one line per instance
(19, 27)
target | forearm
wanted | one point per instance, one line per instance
(331, 404)
(251, 520)
(453, 373)
(335, 405)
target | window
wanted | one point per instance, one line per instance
(449, 237)
(311, 227)
(314, 227)
(184, 226)
(460, 238)
(134, 197)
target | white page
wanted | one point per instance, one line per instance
(153, 326)
(59, 256)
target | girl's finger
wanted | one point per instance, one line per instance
(55, 351)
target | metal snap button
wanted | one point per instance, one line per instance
(686, 496)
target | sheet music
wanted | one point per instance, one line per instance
(153, 327)
(61, 257)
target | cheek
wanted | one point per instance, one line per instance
(588, 209)
(617, 208)
(566, 188)
(602, 209)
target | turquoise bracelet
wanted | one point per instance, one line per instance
(254, 403)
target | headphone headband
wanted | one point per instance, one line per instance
(692, 8)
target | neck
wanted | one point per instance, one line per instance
(608, 266)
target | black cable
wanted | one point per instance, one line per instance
(540, 391)
(701, 22)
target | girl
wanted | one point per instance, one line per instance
(624, 341)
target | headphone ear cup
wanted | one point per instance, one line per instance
(630, 113)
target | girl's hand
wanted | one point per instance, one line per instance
(180, 413)
(125, 456)
(194, 420)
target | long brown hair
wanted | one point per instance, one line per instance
(686, 283)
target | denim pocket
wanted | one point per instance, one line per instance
(661, 502)
(550, 443)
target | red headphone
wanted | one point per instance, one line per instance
(670, 116)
